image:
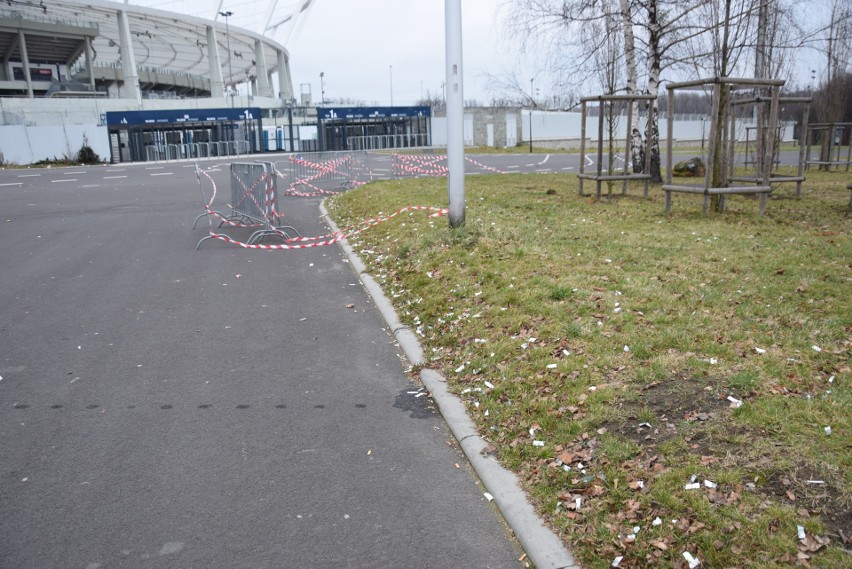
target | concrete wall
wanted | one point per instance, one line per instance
(29, 144)
(562, 129)
(59, 111)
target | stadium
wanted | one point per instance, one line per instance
(72, 64)
(137, 83)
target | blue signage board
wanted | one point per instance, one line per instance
(341, 113)
(180, 117)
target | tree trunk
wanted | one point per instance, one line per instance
(637, 157)
(718, 172)
(654, 33)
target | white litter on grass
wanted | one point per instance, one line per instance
(486, 412)
(617, 561)
(693, 562)
(627, 348)
(713, 361)
(692, 486)
(657, 522)
(816, 481)
(827, 430)
(489, 385)
(460, 369)
(735, 403)
(830, 379)
(816, 348)
(551, 366)
(538, 443)
(532, 431)
(646, 425)
(710, 484)
(567, 353)
(577, 503)
(488, 496)
(760, 350)
(532, 340)
(801, 532)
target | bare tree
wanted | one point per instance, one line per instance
(837, 48)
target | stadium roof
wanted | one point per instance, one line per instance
(161, 39)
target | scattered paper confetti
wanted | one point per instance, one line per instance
(693, 562)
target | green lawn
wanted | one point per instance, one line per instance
(603, 348)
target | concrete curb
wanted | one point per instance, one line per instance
(541, 545)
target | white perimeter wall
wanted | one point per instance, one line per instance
(29, 144)
(565, 127)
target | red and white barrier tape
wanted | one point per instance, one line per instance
(310, 242)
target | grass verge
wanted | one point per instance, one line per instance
(660, 383)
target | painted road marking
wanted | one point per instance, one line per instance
(65, 180)
(512, 166)
(154, 167)
(568, 168)
(546, 158)
(113, 177)
(77, 172)
(163, 174)
(13, 184)
(29, 175)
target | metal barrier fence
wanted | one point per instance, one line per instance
(196, 150)
(384, 141)
(254, 200)
(341, 167)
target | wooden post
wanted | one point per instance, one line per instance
(803, 129)
(648, 131)
(669, 139)
(628, 159)
(600, 148)
(582, 145)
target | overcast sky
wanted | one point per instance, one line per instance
(355, 43)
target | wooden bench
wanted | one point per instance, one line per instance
(762, 192)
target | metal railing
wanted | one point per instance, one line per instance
(187, 150)
(384, 141)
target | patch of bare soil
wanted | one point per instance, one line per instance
(672, 402)
(813, 494)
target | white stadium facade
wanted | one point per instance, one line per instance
(203, 78)
(138, 83)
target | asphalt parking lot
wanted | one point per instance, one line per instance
(168, 407)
